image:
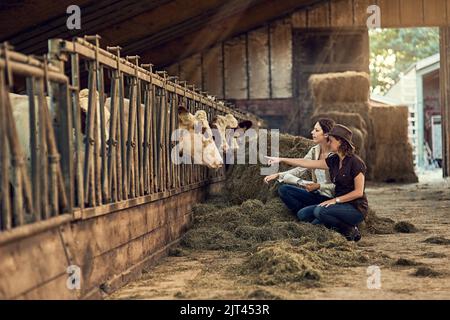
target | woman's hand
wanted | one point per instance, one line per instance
(312, 187)
(271, 177)
(273, 160)
(328, 203)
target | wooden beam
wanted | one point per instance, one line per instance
(435, 12)
(157, 21)
(94, 17)
(30, 13)
(411, 13)
(390, 12)
(210, 34)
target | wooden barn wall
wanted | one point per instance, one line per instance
(281, 59)
(255, 65)
(190, 70)
(235, 68)
(212, 71)
(108, 256)
(394, 13)
(258, 64)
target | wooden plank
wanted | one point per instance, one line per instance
(447, 3)
(5, 219)
(435, 12)
(360, 12)
(341, 13)
(444, 74)
(34, 145)
(101, 248)
(390, 13)
(281, 59)
(78, 166)
(411, 13)
(55, 289)
(213, 71)
(318, 16)
(27, 263)
(258, 60)
(235, 68)
(298, 19)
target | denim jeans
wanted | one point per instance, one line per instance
(298, 200)
(340, 216)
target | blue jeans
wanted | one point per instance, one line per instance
(298, 200)
(341, 216)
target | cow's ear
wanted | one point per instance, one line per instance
(182, 110)
(247, 124)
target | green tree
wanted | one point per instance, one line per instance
(393, 51)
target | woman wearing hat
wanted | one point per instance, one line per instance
(347, 171)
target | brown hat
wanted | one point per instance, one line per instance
(342, 132)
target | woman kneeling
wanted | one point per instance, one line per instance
(347, 171)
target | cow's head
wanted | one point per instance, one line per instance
(198, 145)
(223, 124)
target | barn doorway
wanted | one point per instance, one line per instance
(405, 70)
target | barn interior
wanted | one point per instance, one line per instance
(283, 65)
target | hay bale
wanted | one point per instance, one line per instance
(393, 163)
(390, 124)
(392, 157)
(347, 86)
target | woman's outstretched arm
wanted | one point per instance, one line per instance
(304, 163)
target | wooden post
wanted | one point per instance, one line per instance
(444, 80)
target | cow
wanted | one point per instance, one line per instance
(21, 114)
(194, 140)
(223, 124)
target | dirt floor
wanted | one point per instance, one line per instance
(409, 267)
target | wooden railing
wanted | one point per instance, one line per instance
(110, 165)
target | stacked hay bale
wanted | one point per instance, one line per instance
(392, 159)
(344, 97)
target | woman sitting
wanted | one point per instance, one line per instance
(347, 172)
(300, 199)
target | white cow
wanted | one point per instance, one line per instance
(194, 142)
(223, 124)
(21, 114)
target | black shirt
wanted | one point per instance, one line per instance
(344, 178)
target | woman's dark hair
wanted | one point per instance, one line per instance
(326, 124)
(345, 148)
